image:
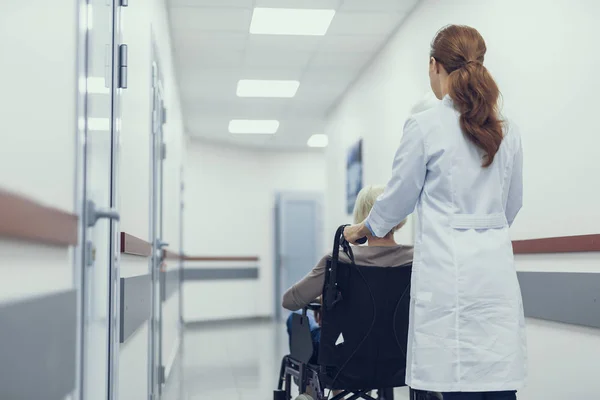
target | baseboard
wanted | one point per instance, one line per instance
(223, 323)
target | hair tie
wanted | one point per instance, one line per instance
(472, 62)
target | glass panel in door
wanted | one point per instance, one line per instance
(100, 218)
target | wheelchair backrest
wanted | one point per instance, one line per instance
(365, 319)
(370, 319)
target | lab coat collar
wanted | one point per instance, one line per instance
(447, 101)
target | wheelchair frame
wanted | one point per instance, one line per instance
(307, 376)
(297, 367)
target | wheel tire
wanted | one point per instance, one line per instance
(304, 397)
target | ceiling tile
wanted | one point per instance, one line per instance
(209, 88)
(309, 105)
(210, 40)
(347, 43)
(340, 59)
(279, 59)
(235, 107)
(328, 78)
(211, 3)
(378, 5)
(364, 23)
(314, 4)
(211, 19)
(214, 50)
(286, 73)
(216, 76)
(193, 58)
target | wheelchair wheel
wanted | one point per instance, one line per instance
(304, 397)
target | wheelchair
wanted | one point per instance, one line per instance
(364, 331)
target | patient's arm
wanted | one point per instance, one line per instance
(307, 289)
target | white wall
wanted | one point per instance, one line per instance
(539, 52)
(229, 200)
(37, 155)
(37, 150)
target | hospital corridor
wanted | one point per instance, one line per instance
(299, 200)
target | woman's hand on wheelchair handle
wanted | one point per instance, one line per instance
(353, 233)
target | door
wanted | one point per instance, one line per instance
(101, 85)
(158, 152)
(299, 238)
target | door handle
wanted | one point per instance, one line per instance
(160, 244)
(94, 214)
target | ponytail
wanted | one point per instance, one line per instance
(461, 51)
(475, 95)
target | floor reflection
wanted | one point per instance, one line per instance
(231, 362)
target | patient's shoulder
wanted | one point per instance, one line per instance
(388, 256)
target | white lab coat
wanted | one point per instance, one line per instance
(467, 330)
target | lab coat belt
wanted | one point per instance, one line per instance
(478, 221)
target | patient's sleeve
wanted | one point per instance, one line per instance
(307, 289)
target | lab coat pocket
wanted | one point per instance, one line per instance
(484, 264)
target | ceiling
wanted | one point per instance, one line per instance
(214, 50)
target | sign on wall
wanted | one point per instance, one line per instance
(354, 175)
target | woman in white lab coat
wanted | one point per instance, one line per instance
(459, 166)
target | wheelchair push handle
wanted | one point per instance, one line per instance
(362, 240)
(343, 241)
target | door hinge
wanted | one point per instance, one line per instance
(164, 115)
(163, 151)
(90, 253)
(123, 53)
(124, 3)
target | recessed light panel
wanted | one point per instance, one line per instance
(290, 21)
(267, 88)
(318, 140)
(253, 126)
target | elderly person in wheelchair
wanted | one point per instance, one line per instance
(357, 344)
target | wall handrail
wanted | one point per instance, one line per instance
(170, 255)
(562, 244)
(135, 246)
(24, 219)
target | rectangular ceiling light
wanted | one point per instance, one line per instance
(318, 140)
(253, 126)
(267, 88)
(290, 21)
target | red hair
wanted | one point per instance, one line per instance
(461, 51)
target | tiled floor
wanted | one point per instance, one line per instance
(231, 362)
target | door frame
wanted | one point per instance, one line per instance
(279, 227)
(156, 232)
(115, 264)
(81, 115)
